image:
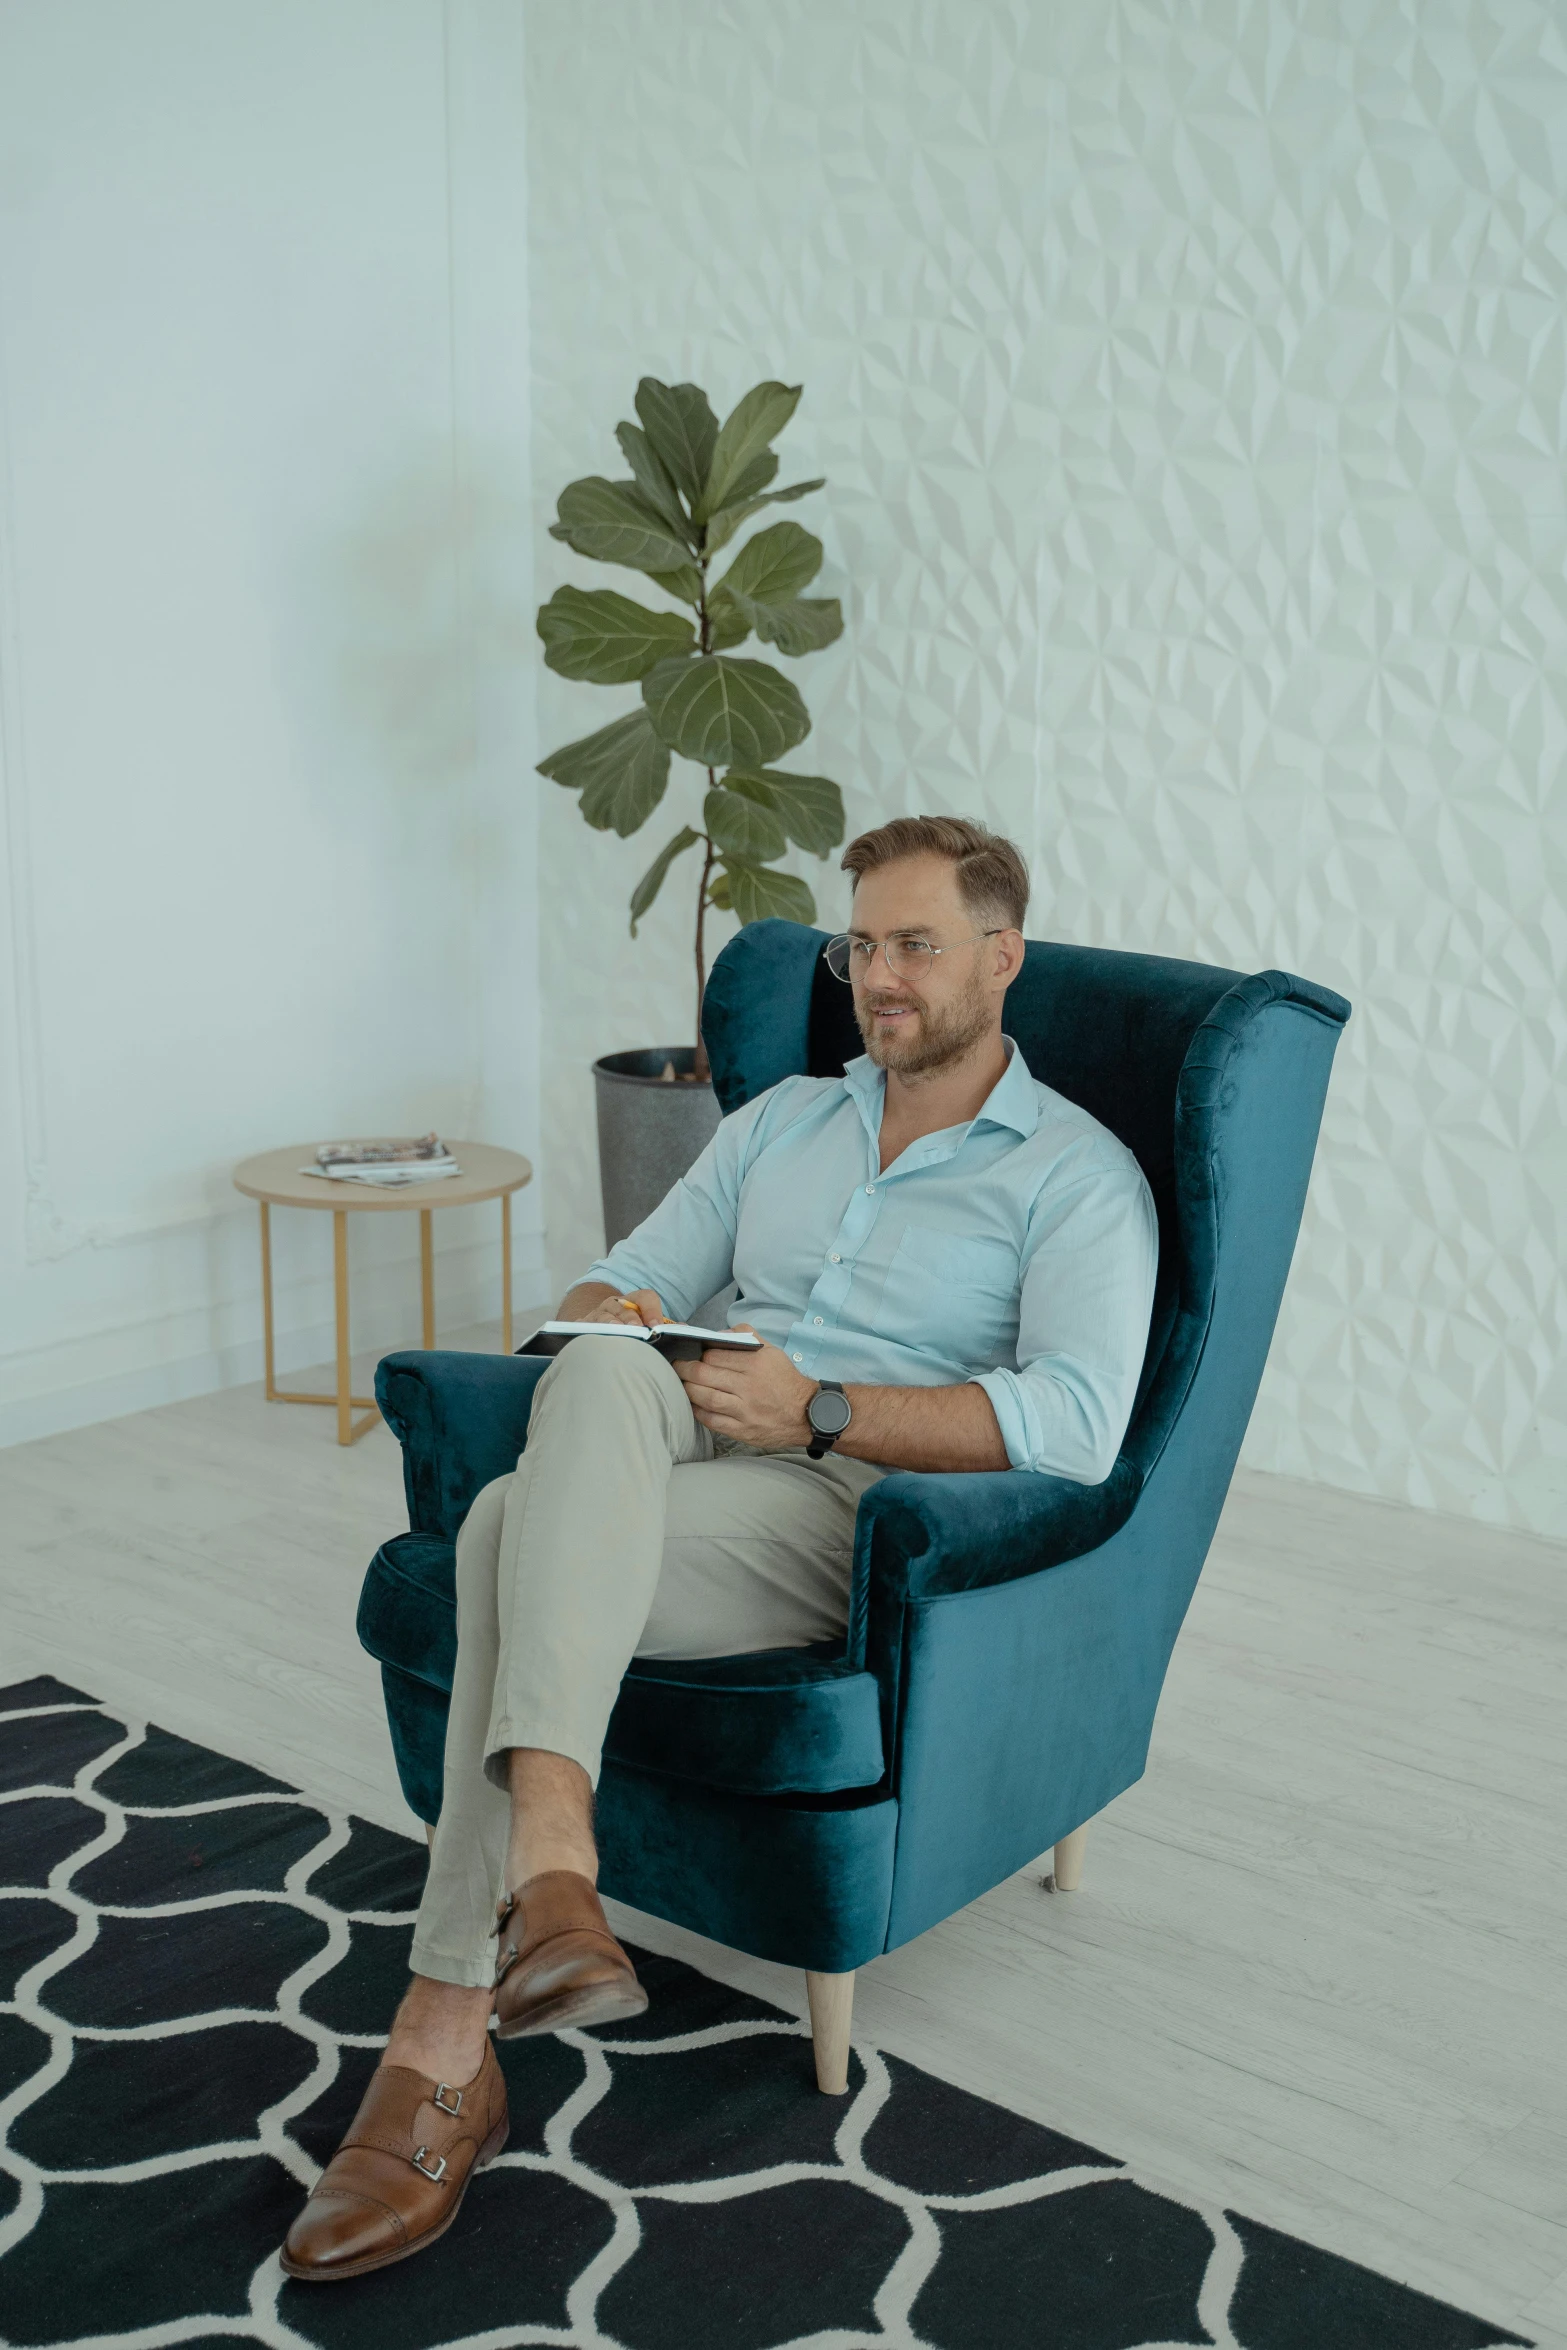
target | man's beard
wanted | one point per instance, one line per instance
(941, 1038)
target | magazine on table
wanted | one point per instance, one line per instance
(389, 1163)
(388, 1178)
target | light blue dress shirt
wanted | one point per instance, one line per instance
(1018, 1251)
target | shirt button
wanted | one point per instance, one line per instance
(818, 1320)
(795, 1358)
(837, 1260)
(870, 1186)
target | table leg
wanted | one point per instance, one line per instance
(427, 1272)
(340, 1286)
(506, 1272)
(268, 1356)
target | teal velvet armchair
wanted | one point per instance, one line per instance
(1009, 1633)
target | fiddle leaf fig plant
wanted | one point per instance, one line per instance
(694, 483)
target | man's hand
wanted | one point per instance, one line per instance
(591, 1301)
(758, 1398)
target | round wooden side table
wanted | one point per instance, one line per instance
(274, 1178)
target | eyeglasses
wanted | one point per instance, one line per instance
(907, 955)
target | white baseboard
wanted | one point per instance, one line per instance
(63, 1387)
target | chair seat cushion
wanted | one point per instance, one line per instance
(783, 1721)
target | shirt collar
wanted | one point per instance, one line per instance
(1011, 1101)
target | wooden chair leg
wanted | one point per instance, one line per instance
(1069, 1861)
(832, 2009)
(429, 1835)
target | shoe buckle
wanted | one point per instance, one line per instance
(506, 1960)
(417, 2158)
(503, 1909)
(442, 2092)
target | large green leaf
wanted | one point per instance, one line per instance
(773, 567)
(605, 638)
(718, 889)
(653, 479)
(721, 529)
(743, 826)
(751, 424)
(614, 523)
(683, 431)
(758, 891)
(809, 807)
(686, 583)
(724, 713)
(750, 481)
(621, 773)
(727, 625)
(804, 626)
(652, 880)
(761, 590)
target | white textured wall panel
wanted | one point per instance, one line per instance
(1190, 381)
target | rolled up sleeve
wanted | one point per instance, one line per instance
(685, 1248)
(1087, 1295)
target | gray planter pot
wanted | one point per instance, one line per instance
(650, 1129)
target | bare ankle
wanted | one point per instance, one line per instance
(536, 1860)
(440, 2030)
(551, 1817)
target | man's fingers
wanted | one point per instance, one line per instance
(714, 1371)
(722, 1423)
(709, 1399)
(741, 1367)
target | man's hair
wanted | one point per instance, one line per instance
(992, 877)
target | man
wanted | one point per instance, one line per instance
(950, 1266)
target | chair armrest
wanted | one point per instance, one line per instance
(461, 1419)
(921, 1536)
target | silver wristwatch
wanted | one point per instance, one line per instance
(829, 1412)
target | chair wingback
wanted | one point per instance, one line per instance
(1157, 1050)
(756, 1012)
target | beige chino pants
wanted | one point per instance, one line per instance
(624, 1530)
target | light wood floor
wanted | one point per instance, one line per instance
(1316, 1967)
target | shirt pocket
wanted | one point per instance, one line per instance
(952, 1293)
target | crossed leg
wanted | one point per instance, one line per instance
(619, 1533)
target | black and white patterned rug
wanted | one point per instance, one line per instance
(196, 1968)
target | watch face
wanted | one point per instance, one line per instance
(828, 1413)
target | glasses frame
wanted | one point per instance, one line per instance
(847, 940)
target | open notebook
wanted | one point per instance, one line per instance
(679, 1342)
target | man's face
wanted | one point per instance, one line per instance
(916, 1025)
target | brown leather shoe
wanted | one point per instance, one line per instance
(559, 1963)
(396, 2181)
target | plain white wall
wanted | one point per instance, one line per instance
(265, 667)
(1192, 387)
